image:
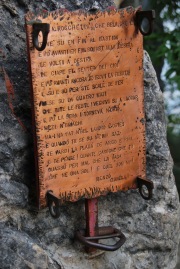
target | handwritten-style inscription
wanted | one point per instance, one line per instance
(87, 89)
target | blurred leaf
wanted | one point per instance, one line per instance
(164, 43)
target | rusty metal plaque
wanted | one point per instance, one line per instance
(88, 103)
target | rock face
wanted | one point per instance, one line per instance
(35, 240)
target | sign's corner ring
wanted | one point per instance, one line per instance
(53, 204)
(148, 17)
(145, 187)
(37, 28)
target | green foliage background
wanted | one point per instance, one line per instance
(164, 43)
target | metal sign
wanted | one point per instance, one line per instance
(88, 102)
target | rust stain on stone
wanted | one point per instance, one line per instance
(11, 97)
(2, 55)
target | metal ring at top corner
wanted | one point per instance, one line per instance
(37, 28)
(147, 16)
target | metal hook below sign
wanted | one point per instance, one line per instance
(103, 233)
(93, 233)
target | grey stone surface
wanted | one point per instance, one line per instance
(178, 262)
(34, 240)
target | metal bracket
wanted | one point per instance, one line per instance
(145, 188)
(144, 21)
(44, 28)
(93, 233)
(54, 204)
(102, 233)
